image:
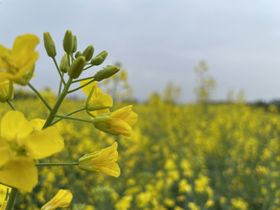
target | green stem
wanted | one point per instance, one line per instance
(58, 164)
(11, 105)
(57, 104)
(79, 80)
(78, 88)
(73, 118)
(60, 85)
(40, 96)
(12, 198)
(88, 67)
(69, 114)
(58, 70)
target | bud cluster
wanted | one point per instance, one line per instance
(74, 61)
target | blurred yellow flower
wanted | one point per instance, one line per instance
(6, 90)
(17, 64)
(62, 199)
(119, 122)
(21, 141)
(103, 161)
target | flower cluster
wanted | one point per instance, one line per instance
(25, 143)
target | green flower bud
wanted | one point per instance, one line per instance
(76, 68)
(106, 72)
(99, 59)
(49, 45)
(68, 42)
(78, 54)
(64, 64)
(75, 44)
(88, 52)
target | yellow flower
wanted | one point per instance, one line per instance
(103, 161)
(17, 64)
(62, 199)
(22, 141)
(6, 90)
(98, 100)
(118, 122)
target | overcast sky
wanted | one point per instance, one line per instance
(161, 40)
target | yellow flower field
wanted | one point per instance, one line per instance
(178, 157)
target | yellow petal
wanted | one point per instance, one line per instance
(99, 112)
(44, 143)
(14, 126)
(97, 100)
(37, 124)
(62, 199)
(103, 161)
(114, 126)
(20, 173)
(6, 90)
(5, 153)
(25, 43)
(87, 89)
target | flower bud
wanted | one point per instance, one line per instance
(75, 44)
(64, 64)
(106, 72)
(76, 68)
(103, 161)
(88, 52)
(49, 45)
(6, 91)
(68, 42)
(99, 59)
(62, 199)
(78, 54)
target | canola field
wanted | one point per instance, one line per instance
(181, 157)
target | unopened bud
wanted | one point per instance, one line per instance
(49, 45)
(76, 68)
(106, 72)
(64, 64)
(99, 59)
(68, 42)
(78, 54)
(75, 44)
(88, 52)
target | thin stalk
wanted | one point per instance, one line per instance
(79, 80)
(57, 104)
(88, 67)
(40, 96)
(73, 118)
(11, 105)
(69, 114)
(57, 164)
(80, 87)
(58, 70)
(60, 85)
(12, 198)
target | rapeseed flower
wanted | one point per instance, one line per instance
(98, 100)
(118, 122)
(103, 161)
(22, 142)
(62, 199)
(17, 64)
